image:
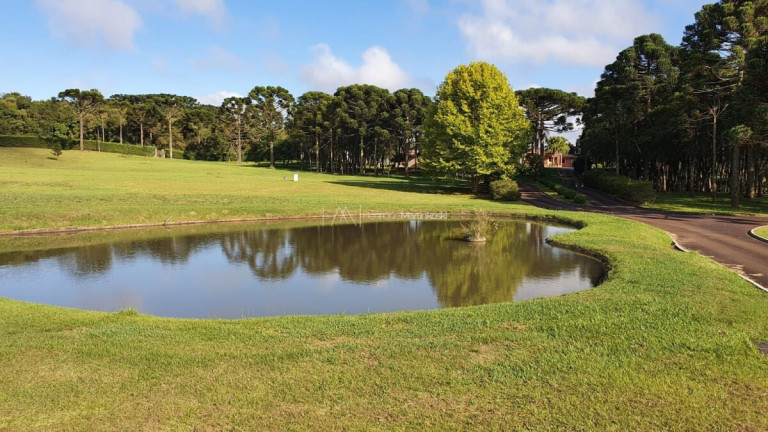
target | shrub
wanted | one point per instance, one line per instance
(69, 144)
(109, 147)
(505, 190)
(640, 192)
(56, 149)
(33, 142)
(635, 191)
(580, 199)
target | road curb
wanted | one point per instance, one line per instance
(682, 248)
(752, 282)
(678, 246)
(754, 235)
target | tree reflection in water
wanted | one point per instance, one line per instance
(460, 273)
(401, 256)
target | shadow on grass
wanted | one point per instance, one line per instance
(403, 184)
(702, 202)
(393, 182)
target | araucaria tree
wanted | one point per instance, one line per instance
(477, 127)
(83, 102)
(236, 111)
(548, 111)
(689, 117)
(172, 108)
(271, 107)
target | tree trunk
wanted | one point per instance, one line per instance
(735, 177)
(331, 158)
(376, 157)
(271, 153)
(82, 120)
(714, 158)
(239, 142)
(362, 160)
(317, 153)
(475, 183)
(407, 156)
(121, 133)
(170, 138)
(141, 133)
(750, 184)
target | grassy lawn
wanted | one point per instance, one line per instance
(762, 232)
(90, 189)
(666, 343)
(702, 203)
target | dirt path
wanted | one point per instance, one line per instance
(725, 239)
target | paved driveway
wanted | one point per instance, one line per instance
(725, 239)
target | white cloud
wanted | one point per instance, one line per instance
(216, 57)
(575, 32)
(586, 90)
(213, 10)
(93, 22)
(217, 98)
(328, 72)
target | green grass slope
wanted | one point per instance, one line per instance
(98, 189)
(685, 202)
(666, 343)
(762, 232)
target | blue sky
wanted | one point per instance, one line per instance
(212, 48)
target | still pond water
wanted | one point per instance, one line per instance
(272, 270)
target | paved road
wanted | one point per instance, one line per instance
(725, 239)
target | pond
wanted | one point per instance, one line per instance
(233, 271)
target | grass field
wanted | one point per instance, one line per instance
(762, 232)
(702, 203)
(88, 189)
(666, 343)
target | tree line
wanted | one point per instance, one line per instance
(692, 117)
(360, 127)
(479, 129)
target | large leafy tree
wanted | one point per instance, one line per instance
(477, 127)
(83, 102)
(271, 108)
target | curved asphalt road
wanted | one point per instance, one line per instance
(725, 239)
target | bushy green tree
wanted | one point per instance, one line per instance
(476, 127)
